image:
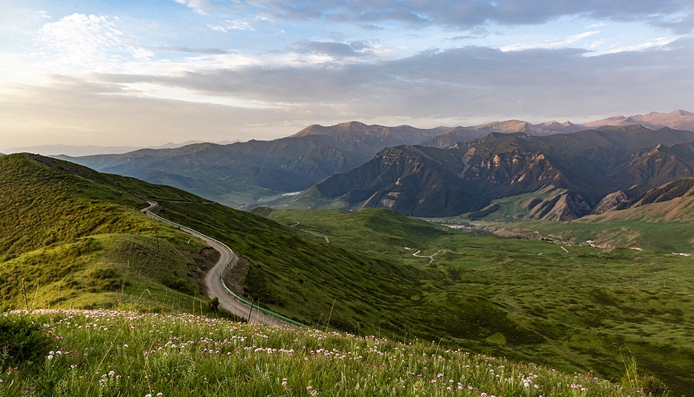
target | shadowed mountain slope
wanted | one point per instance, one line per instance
(581, 168)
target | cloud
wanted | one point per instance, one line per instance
(681, 24)
(428, 89)
(198, 6)
(466, 14)
(370, 28)
(476, 33)
(556, 44)
(332, 49)
(80, 112)
(659, 42)
(476, 81)
(42, 15)
(84, 40)
(239, 24)
(183, 49)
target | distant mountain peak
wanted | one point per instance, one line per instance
(317, 129)
(353, 125)
(654, 114)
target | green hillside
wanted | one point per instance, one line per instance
(525, 299)
(72, 237)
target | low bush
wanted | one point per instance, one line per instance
(22, 342)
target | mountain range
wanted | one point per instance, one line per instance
(255, 173)
(578, 170)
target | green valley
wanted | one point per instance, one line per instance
(526, 299)
(76, 239)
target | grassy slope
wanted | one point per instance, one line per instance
(666, 226)
(581, 310)
(116, 354)
(76, 239)
(300, 276)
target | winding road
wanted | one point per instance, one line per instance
(431, 257)
(213, 279)
(327, 240)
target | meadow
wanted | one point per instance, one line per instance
(530, 300)
(116, 353)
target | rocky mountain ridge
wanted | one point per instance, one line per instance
(580, 171)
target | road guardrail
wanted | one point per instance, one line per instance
(235, 296)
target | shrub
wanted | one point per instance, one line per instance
(22, 342)
(179, 284)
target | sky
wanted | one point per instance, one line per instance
(147, 72)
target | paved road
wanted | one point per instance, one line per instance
(214, 282)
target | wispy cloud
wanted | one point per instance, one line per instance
(555, 44)
(466, 14)
(183, 49)
(238, 24)
(80, 39)
(333, 49)
(198, 6)
(596, 44)
(476, 33)
(659, 42)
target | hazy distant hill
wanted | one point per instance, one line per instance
(88, 150)
(460, 134)
(220, 172)
(580, 169)
(361, 137)
(240, 173)
(678, 119)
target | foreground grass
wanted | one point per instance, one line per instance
(110, 353)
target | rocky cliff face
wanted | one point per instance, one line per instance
(610, 202)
